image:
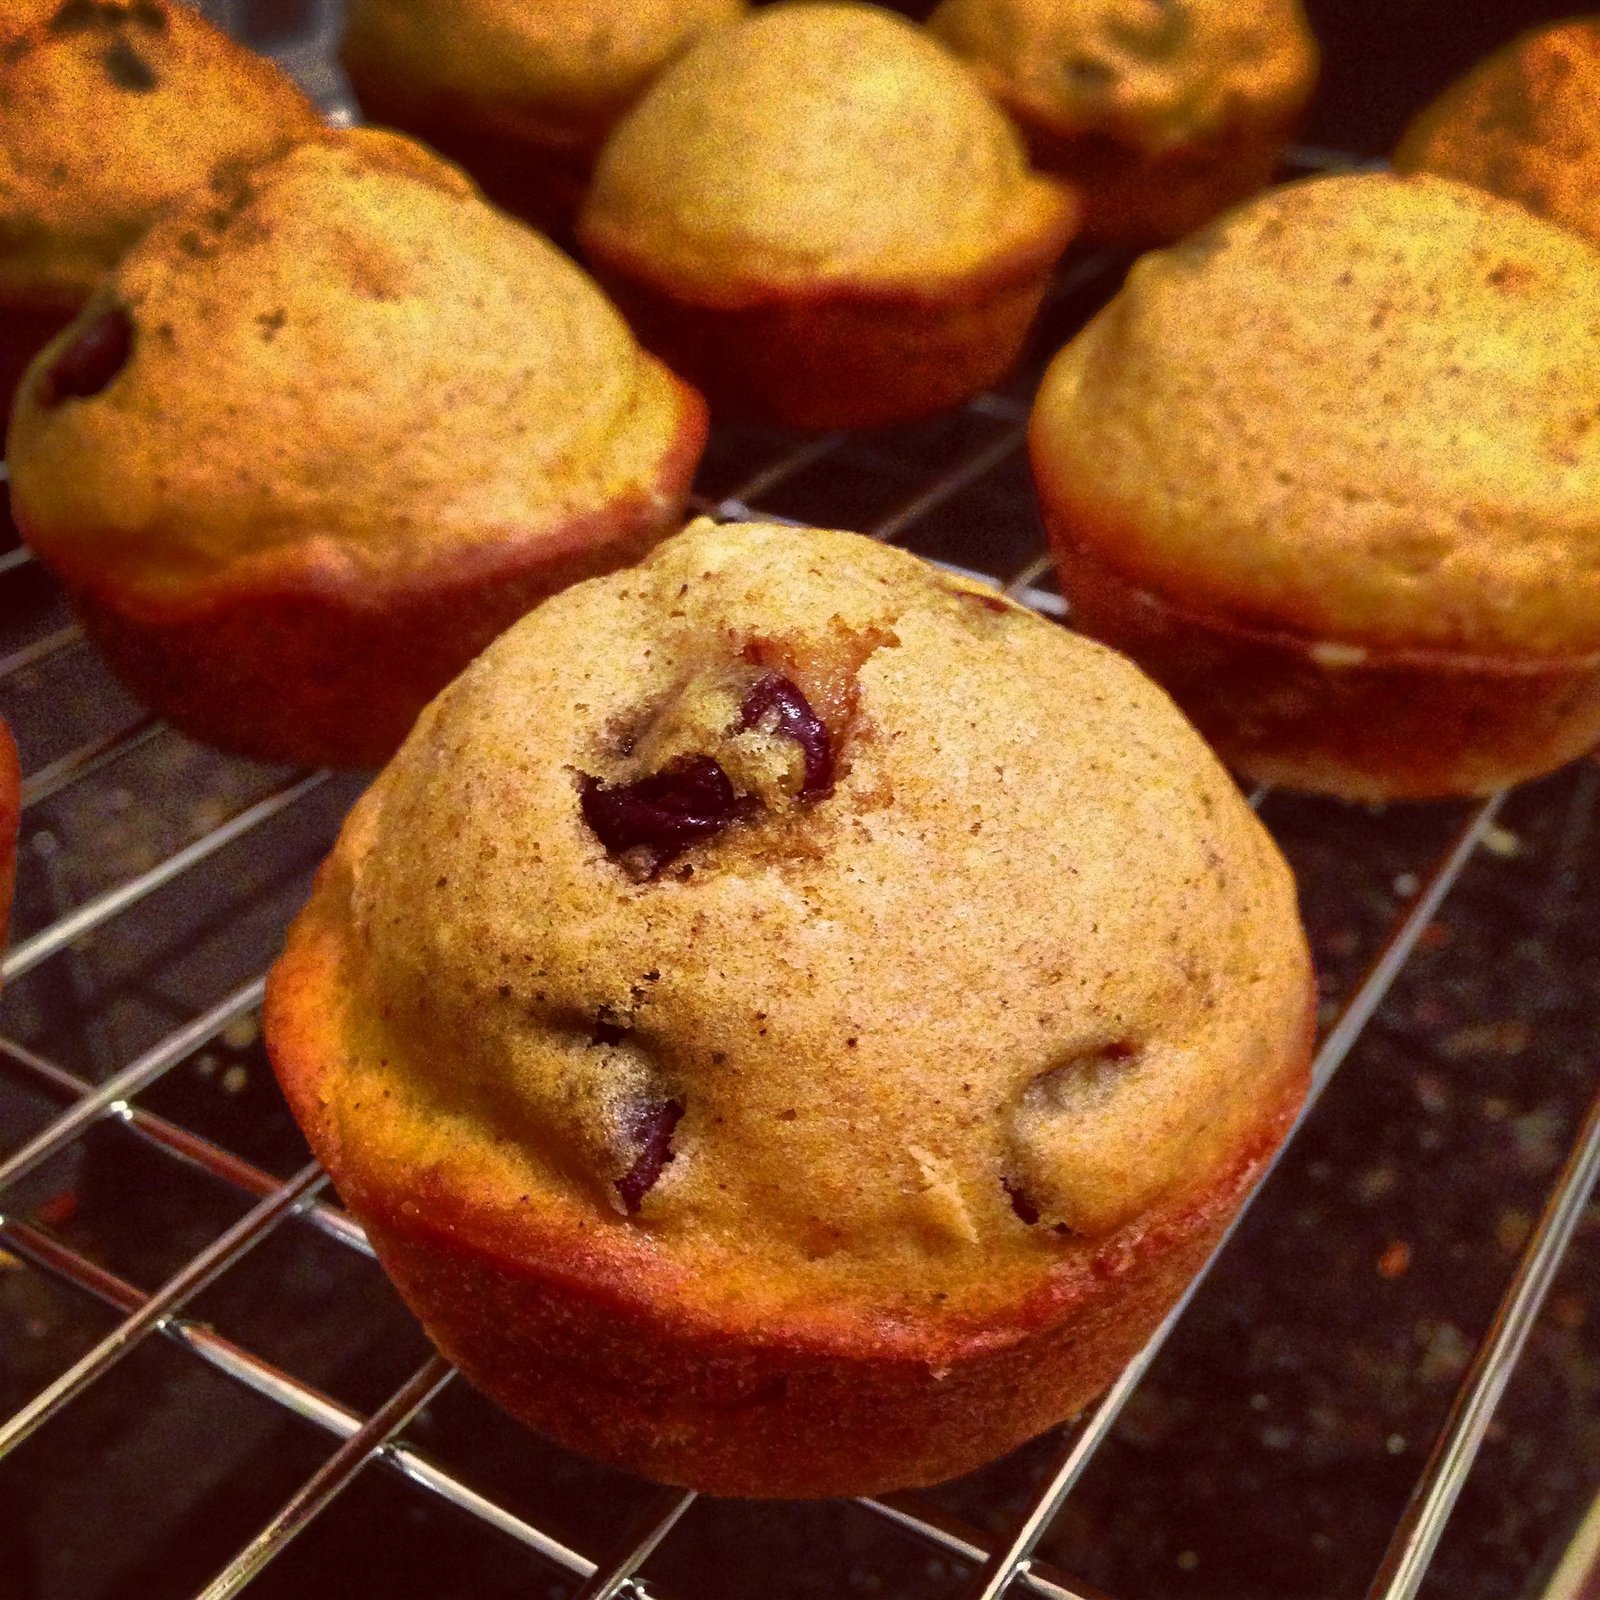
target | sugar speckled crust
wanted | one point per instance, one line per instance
(1030, 955)
(1524, 124)
(521, 94)
(110, 110)
(10, 810)
(364, 422)
(1335, 459)
(821, 219)
(1160, 115)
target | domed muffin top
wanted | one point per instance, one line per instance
(349, 360)
(1524, 124)
(1362, 408)
(109, 111)
(565, 68)
(819, 144)
(1154, 75)
(791, 912)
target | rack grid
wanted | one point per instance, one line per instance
(999, 1566)
(951, 489)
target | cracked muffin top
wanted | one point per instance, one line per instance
(1524, 124)
(1362, 408)
(800, 915)
(348, 362)
(819, 144)
(109, 111)
(1153, 73)
(560, 71)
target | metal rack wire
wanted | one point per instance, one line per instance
(746, 475)
(1008, 1565)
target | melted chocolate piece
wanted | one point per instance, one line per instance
(1020, 1203)
(665, 813)
(77, 15)
(91, 361)
(83, 16)
(127, 69)
(651, 1129)
(794, 719)
(606, 1031)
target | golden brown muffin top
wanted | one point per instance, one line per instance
(351, 363)
(109, 111)
(1006, 939)
(819, 144)
(563, 70)
(1151, 73)
(1363, 408)
(1524, 124)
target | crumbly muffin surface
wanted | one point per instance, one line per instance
(1524, 124)
(348, 361)
(109, 111)
(567, 67)
(998, 966)
(1152, 75)
(817, 144)
(1359, 408)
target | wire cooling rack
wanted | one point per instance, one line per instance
(151, 1183)
(968, 504)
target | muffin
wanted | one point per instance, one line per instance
(313, 445)
(109, 111)
(819, 218)
(1524, 124)
(1160, 114)
(768, 1070)
(521, 92)
(1330, 472)
(10, 812)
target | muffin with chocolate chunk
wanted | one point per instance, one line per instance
(110, 110)
(521, 92)
(768, 1044)
(318, 441)
(1330, 471)
(1160, 112)
(821, 219)
(1524, 124)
